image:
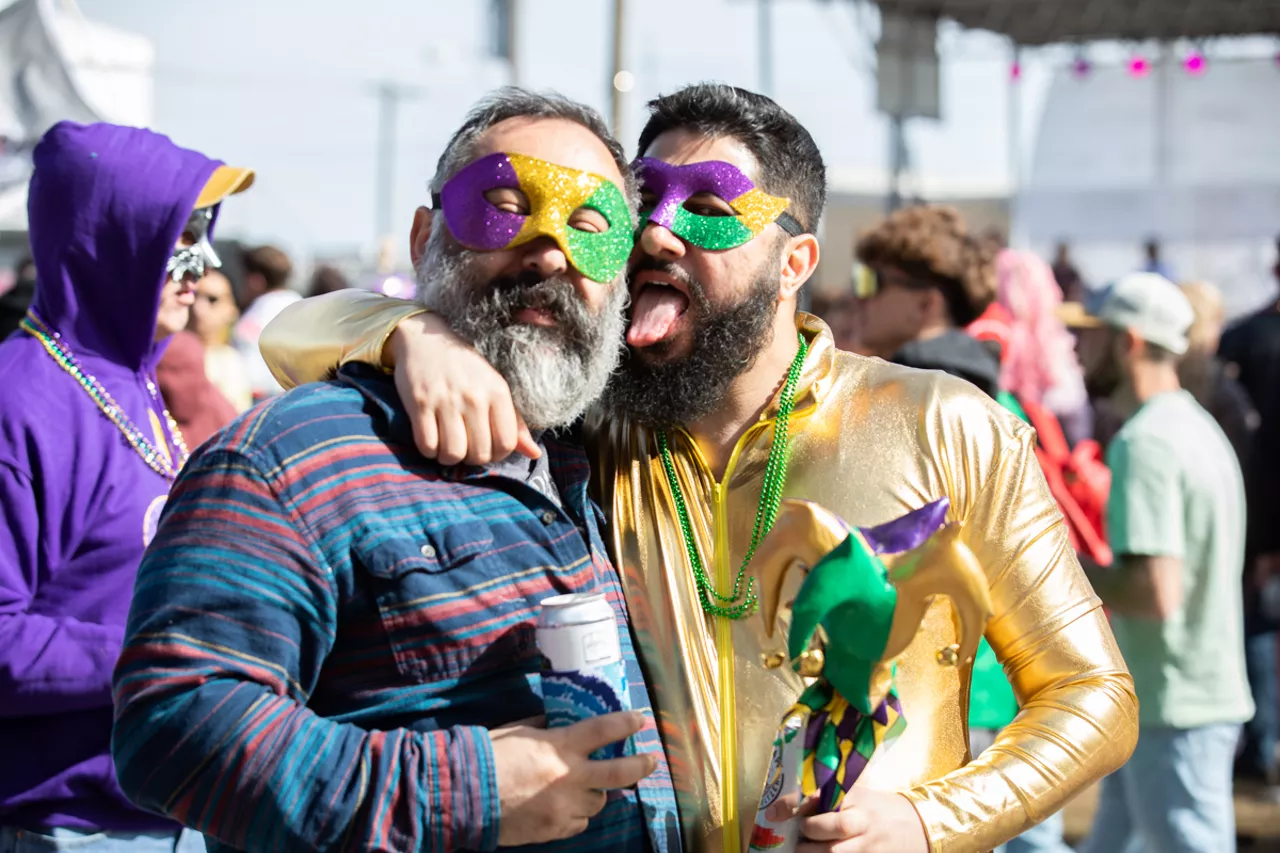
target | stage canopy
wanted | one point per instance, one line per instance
(1040, 22)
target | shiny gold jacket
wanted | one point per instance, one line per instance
(870, 441)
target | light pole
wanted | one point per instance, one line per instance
(620, 81)
(764, 42)
(389, 96)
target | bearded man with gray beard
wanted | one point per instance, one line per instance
(331, 645)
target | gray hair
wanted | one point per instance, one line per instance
(513, 102)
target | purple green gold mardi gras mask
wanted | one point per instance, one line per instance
(667, 190)
(553, 193)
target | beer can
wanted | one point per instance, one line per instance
(583, 674)
(784, 781)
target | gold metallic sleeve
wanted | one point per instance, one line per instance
(311, 339)
(1079, 713)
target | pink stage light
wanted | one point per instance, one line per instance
(1080, 68)
(1194, 63)
(1139, 66)
(1015, 71)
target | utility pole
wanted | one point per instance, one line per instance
(513, 43)
(388, 113)
(764, 45)
(617, 85)
(1013, 233)
(389, 95)
(897, 160)
(1163, 119)
(504, 35)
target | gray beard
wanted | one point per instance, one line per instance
(554, 373)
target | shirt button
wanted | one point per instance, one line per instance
(428, 551)
(548, 517)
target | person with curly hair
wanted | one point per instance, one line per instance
(921, 278)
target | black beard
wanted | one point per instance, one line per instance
(726, 343)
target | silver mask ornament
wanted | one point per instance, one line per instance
(194, 259)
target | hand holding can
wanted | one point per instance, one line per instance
(584, 674)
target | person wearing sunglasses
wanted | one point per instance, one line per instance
(121, 222)
(920, 278)
(727, 400)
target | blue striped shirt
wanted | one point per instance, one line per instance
(326, 626)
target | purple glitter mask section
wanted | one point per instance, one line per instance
(908, 532)
(473, 221)
(674, 185)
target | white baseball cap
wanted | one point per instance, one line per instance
(1149, 304)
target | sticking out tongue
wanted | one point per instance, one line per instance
(654, 311)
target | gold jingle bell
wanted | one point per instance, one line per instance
(949, 656)
(811, 663)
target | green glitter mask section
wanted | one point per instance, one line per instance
(601, 256)
(707, 232)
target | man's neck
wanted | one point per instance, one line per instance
(749, 395)
(1147, 381)
(931, 330)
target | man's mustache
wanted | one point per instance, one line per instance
(531, 290)
(667, 268)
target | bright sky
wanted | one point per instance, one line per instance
(289, 89)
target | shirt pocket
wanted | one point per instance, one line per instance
(449, 605)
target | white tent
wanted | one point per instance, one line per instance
(1187, 159)
(55, 65)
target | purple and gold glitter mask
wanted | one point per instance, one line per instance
(667, 190)
(554, 193)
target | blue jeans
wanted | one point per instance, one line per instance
(14, 840)
(1262, 732)
(1174, 795)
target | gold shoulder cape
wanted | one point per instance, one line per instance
(870, 441)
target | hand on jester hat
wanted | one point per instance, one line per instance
(849, 620)
(861, 614)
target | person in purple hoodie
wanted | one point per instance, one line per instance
(120, 227)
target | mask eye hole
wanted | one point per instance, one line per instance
(708, 204)
(508, 200)
(589, 220)
(648, 199)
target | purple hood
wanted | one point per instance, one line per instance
(78, 503)
(106, 206)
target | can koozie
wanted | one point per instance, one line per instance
(584, 674)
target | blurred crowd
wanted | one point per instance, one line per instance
(1155, 424)
(927, 293)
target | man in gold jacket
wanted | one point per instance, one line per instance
(714, 336)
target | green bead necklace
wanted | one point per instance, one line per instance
(735, 605)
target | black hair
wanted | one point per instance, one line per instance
(790, 164)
